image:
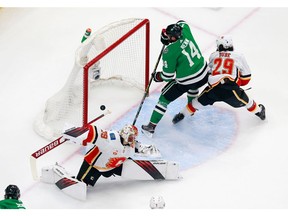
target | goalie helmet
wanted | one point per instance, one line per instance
(129, 134)
(12, 192)
(224, 42)
(174, 30)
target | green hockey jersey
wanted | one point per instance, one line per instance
(183, 60)
(11, 204)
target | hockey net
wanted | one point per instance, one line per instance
(121, 51)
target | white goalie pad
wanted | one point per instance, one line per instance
(150, 170)
(57, 175)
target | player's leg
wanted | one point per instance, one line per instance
(239, 99)
(207, 97)
(88, 174)
(169, 93)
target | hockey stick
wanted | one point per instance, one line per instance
(147, 88)
(59, 141)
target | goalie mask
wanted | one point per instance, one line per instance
(129, 134)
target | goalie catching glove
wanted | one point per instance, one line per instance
(147, 150)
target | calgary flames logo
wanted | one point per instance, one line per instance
(115, 162)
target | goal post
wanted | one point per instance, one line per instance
(121, 52)
(144, 23)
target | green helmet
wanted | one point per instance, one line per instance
(174, 30)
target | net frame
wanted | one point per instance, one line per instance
(40, 125)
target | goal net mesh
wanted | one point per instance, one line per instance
(120, 51)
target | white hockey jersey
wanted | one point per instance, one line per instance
(228, 64)
(108, 152)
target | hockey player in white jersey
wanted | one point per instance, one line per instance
(112, 153)
(111, 149)
(228, 72)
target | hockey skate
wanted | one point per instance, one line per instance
(148, 130)
(177, 118)
(261, 114)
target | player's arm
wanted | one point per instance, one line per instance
(169, 64)
(244, 72)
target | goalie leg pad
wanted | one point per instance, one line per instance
(150, 170)
(50, 174)
(57, 175)
(47, 175)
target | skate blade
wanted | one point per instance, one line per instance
(147, 134)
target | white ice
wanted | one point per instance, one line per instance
(37, 53)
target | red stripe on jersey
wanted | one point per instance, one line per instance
(92, 155)
(91, 135)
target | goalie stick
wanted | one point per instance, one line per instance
(57, 142)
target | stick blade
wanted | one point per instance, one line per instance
(33, 167)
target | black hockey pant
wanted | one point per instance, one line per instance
(90, 174)
(228, 92)
(173, 90)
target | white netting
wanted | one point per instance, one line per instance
(124, 65)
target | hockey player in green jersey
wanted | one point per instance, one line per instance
(184, 68)
(11, 198)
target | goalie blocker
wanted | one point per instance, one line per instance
(131, 169)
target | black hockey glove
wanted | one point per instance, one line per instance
(164, 37)
(157, 77)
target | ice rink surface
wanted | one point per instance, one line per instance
(250, 169)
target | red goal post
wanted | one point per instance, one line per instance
(145, 23)
(121, 51)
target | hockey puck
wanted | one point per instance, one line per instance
(102, 107)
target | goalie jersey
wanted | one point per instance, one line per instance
(108, 151)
